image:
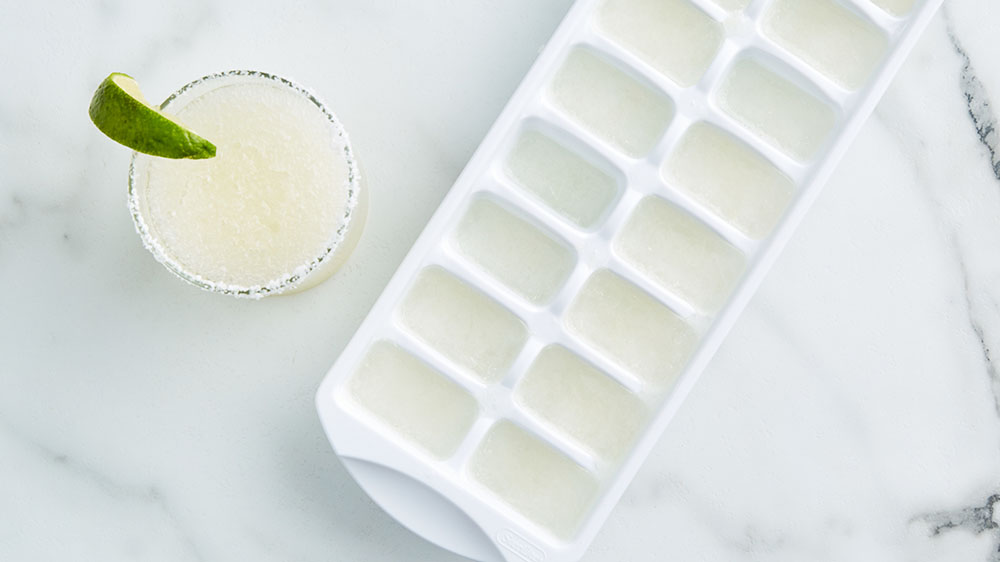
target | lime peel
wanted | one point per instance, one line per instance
(121, 112)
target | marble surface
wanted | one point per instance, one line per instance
(853, 413)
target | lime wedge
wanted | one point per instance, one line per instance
(120, 111)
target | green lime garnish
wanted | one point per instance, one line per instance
(122, 113)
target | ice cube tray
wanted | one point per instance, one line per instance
(561, 302)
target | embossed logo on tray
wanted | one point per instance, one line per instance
(520, 546)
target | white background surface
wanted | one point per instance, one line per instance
(851, 415)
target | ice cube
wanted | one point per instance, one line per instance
(673, 36)
(581, 401)
(616, 107)
(519, 254)
(632, 328)
(469, 328)
(829, 36)
(680, 253)
(417, 402)
(776, 109)
(536, 480)
(562, 179)
(729, 178)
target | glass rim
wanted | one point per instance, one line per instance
(300, 273)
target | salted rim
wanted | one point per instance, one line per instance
(275, 286)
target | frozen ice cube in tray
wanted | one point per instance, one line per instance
(632, 328)
(569, 183)
(838, 41)
(612, 104)
(458, 321)
(674, 36)
(536, 480)
(583, 402)
(777, 109)
(527, 259)
(730, 178)
(413, 399)
(680, 253)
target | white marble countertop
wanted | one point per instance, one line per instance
(851, 415)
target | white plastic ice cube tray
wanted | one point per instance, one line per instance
(586, 265)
